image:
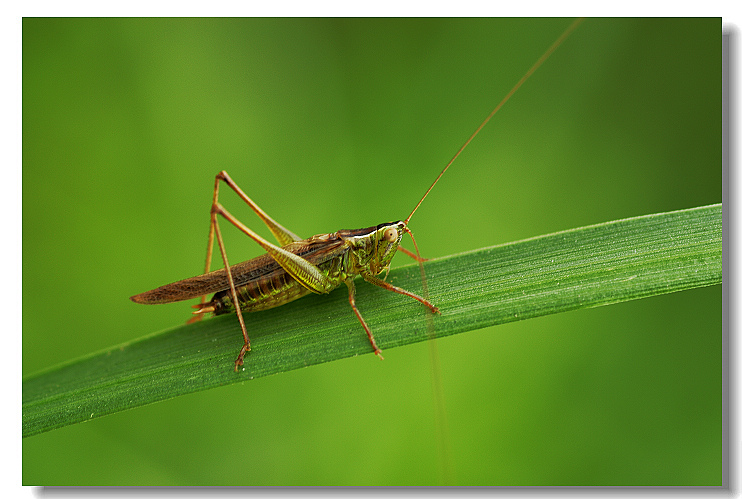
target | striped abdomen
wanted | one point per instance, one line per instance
(272, 289)
(266, 292)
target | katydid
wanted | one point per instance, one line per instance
(296, 267)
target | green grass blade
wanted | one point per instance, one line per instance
(586, 267)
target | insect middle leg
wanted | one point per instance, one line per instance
(352, 300)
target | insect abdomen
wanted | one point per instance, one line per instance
(260, 294)
(272, 290)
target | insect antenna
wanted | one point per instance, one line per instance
(535, 66)
(441, 417)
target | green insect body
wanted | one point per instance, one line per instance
(299, 267)
(339, 256)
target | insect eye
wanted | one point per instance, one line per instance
(390, 234)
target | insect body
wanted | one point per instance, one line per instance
(296, 267)
(318, 264)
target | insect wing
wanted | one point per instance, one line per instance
(315, 250)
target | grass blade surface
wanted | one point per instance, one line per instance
(586, 267)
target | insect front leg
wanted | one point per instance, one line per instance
(412, 255)
(383, 284)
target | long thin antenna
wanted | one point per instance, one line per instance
(535, 66)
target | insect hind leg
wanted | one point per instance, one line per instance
(283, 235)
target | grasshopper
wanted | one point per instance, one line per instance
(287, 272)
(296, 267)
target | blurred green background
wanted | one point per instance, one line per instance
(332, 124)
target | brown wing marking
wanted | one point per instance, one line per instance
(315, 250)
